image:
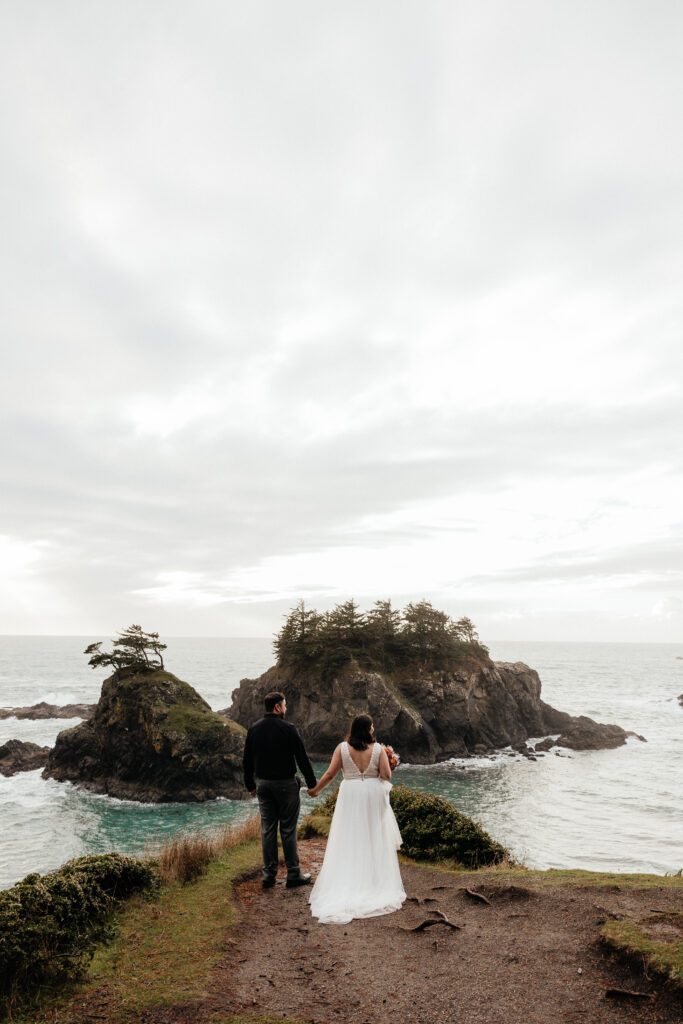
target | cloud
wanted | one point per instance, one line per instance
(314, 300)
(669, 609)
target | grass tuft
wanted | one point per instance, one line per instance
(631, 942)
(186, 855)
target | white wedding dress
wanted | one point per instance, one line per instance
(360, 876)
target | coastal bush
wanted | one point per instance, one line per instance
(383, 638)
(432, 829)
(49, 924)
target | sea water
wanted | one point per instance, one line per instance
(616, 810)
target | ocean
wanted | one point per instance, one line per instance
(609, 810)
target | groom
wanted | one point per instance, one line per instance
(271, 749)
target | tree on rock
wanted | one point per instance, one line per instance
(298, 642)
(383, 638)
(133, 649)
(384, 625)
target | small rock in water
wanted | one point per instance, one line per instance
(20, 756)
(545, 744)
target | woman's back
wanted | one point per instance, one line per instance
(359, 765)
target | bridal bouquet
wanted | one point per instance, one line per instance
(394, 759)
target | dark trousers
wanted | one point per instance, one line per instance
(279, 803)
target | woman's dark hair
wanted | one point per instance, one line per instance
(360, 736)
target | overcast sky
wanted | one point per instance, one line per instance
(311, 299)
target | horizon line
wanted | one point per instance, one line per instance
(213, 636)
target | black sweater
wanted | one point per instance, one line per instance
(271, 749)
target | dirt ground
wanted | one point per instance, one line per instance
(529, 956)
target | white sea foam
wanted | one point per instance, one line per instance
(43, 731)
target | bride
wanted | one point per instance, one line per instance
(360, 876)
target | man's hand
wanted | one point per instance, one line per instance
(252, 792)
(312, 792)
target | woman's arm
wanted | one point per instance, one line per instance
(332, 771)
(384, 766)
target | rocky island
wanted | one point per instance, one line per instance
(428, 683)
(152, 737)
(21, 756)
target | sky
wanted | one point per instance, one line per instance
(314, 300)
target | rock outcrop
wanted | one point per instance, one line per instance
(154, 739)
(21, 756)
(585, 734)
(43, 710)
(427, 716)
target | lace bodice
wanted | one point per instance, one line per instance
(350, 768)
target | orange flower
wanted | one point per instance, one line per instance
(394, 759)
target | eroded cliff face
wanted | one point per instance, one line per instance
(152, 738)
(427, 716)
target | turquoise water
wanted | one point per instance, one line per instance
(618, 810)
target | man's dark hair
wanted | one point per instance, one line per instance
(271, 699)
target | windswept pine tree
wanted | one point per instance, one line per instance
(383, 638)
(133, 649)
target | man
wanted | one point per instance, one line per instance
(272, 750)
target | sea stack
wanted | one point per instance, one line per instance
(152, 738)
(428, 715)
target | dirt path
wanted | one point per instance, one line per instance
(530, 956)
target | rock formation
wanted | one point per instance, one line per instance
(152, 738)
(43, 710)
(427, 716)
(20, 756)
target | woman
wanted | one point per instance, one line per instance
(360, 876)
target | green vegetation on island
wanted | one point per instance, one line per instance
(383, 638)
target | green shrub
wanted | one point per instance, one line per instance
(50, 924)
(432, 829)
